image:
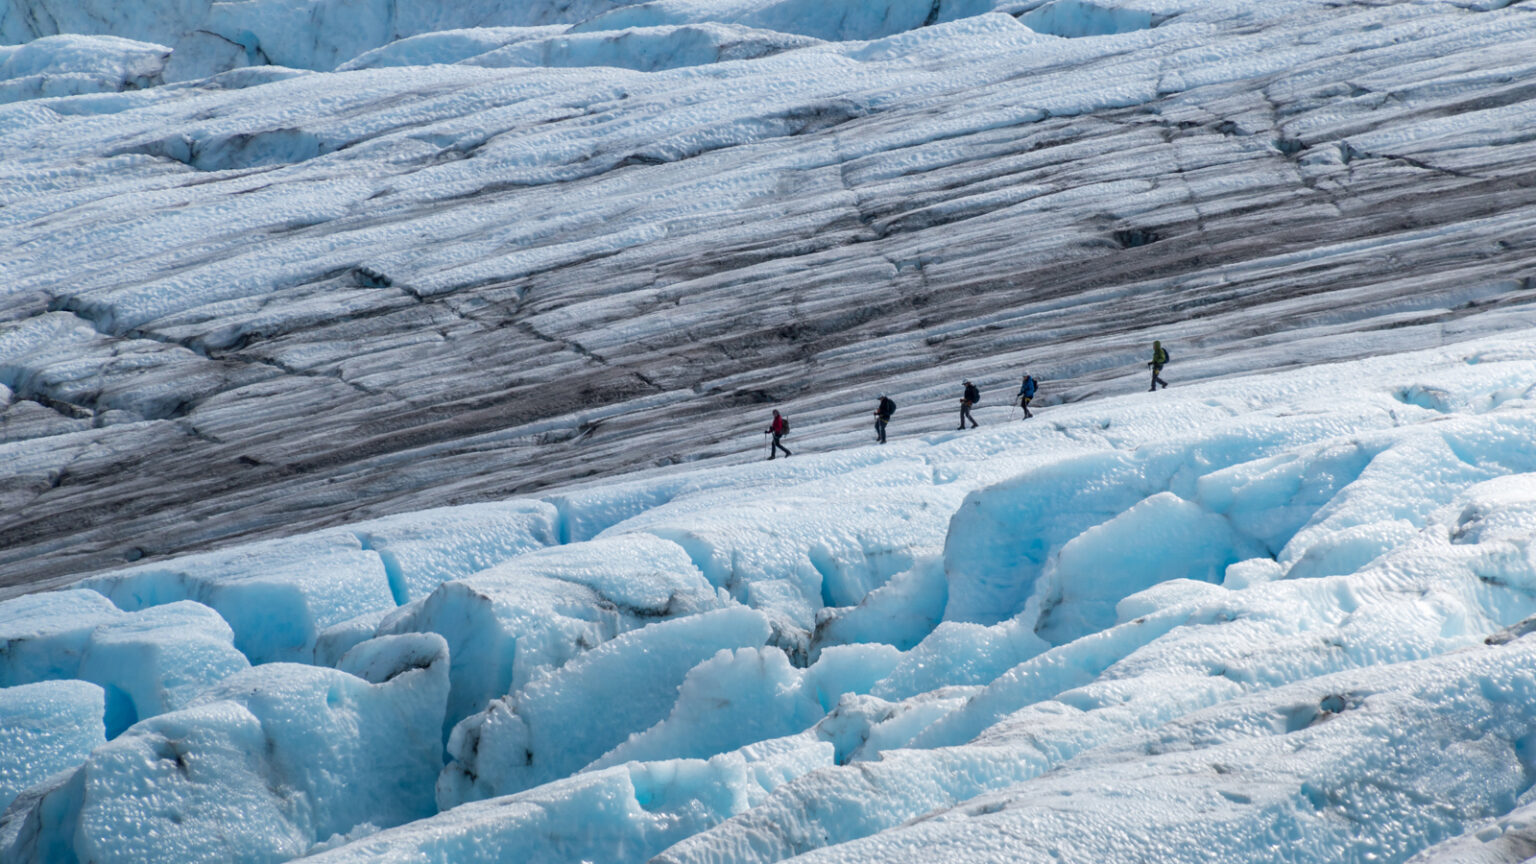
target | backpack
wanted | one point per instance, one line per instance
(1161, 358)
(786, 425)
(972, 395)
(887, 407)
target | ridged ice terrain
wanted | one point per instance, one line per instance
(237, 302)
(382, 390)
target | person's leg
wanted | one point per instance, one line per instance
(965, 408)
(968, 415)
(880, 430)
(780, 446)
(1024, 403)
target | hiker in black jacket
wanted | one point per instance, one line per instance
(971, 397)
(883, 416)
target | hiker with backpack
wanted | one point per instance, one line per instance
(883, 416)
(1027, 390)
(778, 429)
(1159, 360)
(971, 397)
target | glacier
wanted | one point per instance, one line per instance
(1275, 611)
(382, 395)
(447, 278)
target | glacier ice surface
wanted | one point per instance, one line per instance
(1280, 606)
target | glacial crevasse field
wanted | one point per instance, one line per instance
(381, 389)
(1264, 618)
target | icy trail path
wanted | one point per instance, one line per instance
(274, 298)
(1278, 617)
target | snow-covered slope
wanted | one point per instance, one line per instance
(1278, 617)
(276, 296)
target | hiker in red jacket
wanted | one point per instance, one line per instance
(778, 429)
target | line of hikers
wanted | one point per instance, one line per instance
(779, 427)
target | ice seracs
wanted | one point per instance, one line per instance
(260, 768)
(1235, 600)
(565, 720)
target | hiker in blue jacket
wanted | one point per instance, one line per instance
(1027, 390)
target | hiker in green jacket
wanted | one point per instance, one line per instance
(1159, 360)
